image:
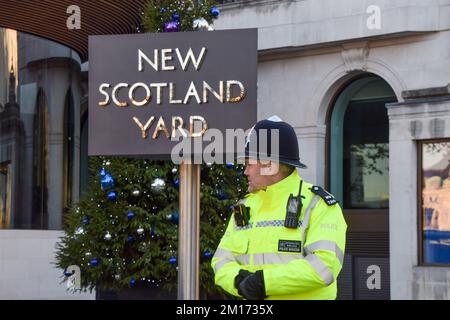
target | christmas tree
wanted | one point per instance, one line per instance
(179, 15)
(123, 232)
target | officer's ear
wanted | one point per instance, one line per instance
(269, 168)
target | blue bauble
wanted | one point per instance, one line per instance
(86, 220)
(172, 260)
(103, 172)
(94, 262)
(174, 217)
(130, 238)
(112, 196)
(222, 195)
(208, 254)
(163, 10)
(171, 26)
(176, 17)
(215, 12)
(230, 165)
(130, 215)
(177, 183)
(132, 282)
(152, 231)
(67, 273)
(107, 182)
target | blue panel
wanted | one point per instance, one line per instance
(436, 247)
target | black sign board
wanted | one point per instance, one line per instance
(148, 90)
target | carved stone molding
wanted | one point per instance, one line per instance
(355, 58)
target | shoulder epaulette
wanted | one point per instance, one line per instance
(243, 200)
(325, 195)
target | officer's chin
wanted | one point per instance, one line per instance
(251, 189)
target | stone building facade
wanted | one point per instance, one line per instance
(366, 86)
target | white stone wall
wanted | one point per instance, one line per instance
(26, 267)
(297, 23)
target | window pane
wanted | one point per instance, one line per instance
(436, 202)
(41, 88)
(5, 195)
(366, 155)
(369, 176)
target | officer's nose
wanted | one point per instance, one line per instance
(246, 170)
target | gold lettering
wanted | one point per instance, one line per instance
(166, 57)
(158, 87)
(172, 94)
(114, 92)
(191, 126)
(207, 87)
(192, 91)
(144, 128)
(241, 94)
(160, 126)
(153, 64)
(177, 123)
(131, 94)
(190, 56)
(106, 101)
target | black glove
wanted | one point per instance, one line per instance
(241, 276)
(252, 286)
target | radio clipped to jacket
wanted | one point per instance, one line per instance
(293, 209)
(241, 214)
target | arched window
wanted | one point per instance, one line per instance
(68, 140)
(359, 145)
(40, 162)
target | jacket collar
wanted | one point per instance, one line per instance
(281, 185)
(284, 184)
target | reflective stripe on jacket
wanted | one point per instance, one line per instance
(310, 269)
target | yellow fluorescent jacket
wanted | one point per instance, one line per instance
(309, 274)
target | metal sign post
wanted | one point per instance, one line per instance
(189, 232)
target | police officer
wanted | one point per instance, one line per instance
(286, 238)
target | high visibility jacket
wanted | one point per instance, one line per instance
(301, 263)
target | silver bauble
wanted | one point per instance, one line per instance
(117, 276)
(79, 230)
(174, 170)
(200, 24)
(108, 236)
(136, 193)
(140, 231)
(158, 185)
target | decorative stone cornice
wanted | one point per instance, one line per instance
(426, 93)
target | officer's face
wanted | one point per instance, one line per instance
(257, 180)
